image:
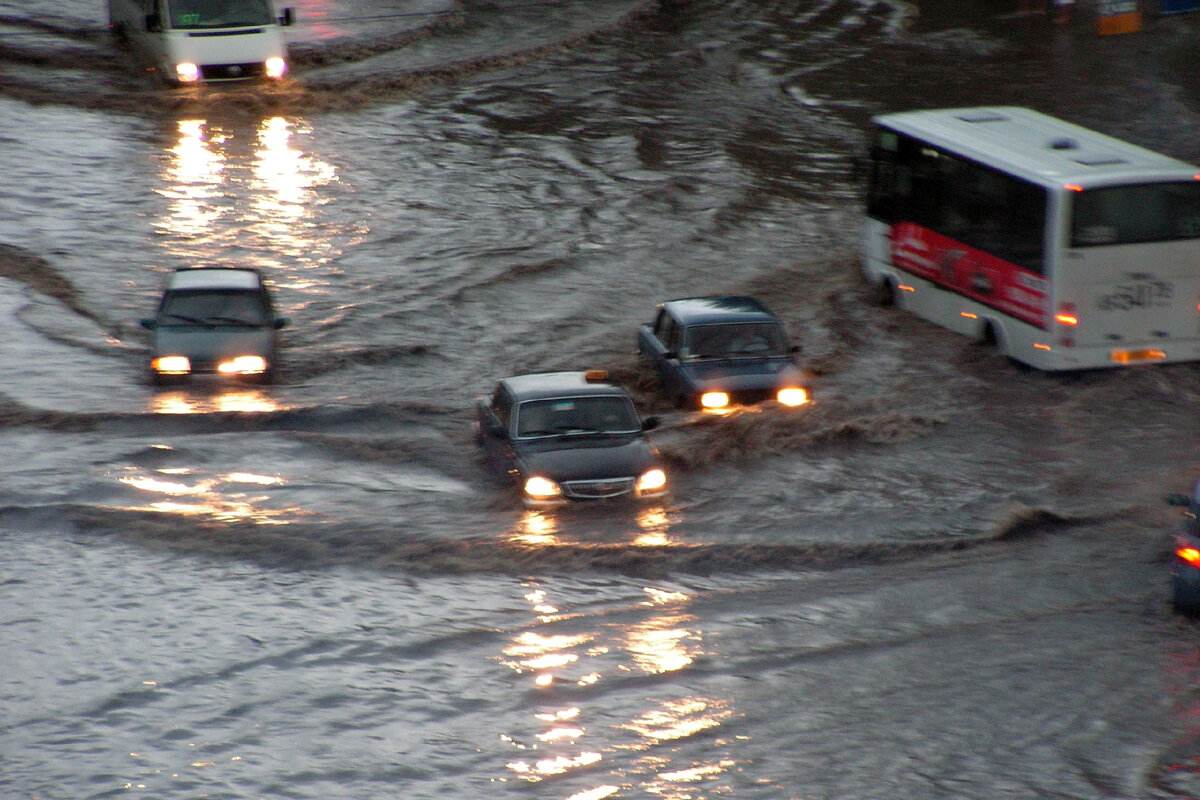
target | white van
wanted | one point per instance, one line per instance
(193, 41)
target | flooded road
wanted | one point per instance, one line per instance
(945, 577)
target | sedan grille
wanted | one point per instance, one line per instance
(594, 490)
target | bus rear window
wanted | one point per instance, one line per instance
(1150, 212)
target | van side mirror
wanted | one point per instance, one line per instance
(282, 322)
(148, 324)
(1178, 500)
(289, 16)
(649, 423)
(497, 430)
(154, 23)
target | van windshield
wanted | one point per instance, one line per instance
(219, 13)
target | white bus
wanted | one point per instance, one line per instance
(1065, 248)
(193, 41)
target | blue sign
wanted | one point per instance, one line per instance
(1175, 6)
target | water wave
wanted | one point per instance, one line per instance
(317, 544)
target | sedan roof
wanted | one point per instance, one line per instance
(710, 310)
(545, 385)
(214, 278)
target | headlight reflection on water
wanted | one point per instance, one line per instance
(247, 189)
(663, 640)
(178, 490)
(181, 402)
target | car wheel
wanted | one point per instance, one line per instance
(1184, 596)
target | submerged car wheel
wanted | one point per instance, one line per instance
(1185, 592)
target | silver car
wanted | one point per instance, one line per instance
(216, 321)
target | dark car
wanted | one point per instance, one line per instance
(1185, 562)
(214, 320)
(714, 352)
(569, 436)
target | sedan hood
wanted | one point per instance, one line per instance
(742, 374)
(211, 344)
(584, 457)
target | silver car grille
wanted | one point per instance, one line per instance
(594, 490)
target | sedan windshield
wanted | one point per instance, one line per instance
(734, 340)
(219, 13)
(213, 309)
(592, 414)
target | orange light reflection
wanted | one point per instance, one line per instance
(245, 188)
(218, 496)
(678, 719)
(233, 400)
(665, 640)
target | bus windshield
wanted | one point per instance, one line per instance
(220, 13)
(1148, 212)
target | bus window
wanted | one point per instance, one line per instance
(1153, 212)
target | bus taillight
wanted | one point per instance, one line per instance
(1066, 315)
(1189, 555)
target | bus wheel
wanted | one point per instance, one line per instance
(987, 337)
(883, 293)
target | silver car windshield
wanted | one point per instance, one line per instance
(213, 309)
(219, 13)
(734, 340)
(576, 415)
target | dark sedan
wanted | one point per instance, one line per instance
(213, 320)
(715, 352)
(563, 436)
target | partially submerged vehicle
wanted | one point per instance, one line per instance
(195, 41)
(717, 352)
(214, 321)
(560, 436)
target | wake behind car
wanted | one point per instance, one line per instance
(569, 436)
(214, 320)
(715, 352)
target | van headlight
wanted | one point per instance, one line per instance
(714, 400)
(275, 67)
(187, 72)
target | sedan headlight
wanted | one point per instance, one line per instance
(243, 365)
(171, 365)
(651, 482)
(539, 488)
(714, 399)
(793, 396)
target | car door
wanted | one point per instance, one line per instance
(660, 342)
(494, 417)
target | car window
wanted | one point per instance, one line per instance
(735, 340)
(214, 308)
(666, 330)
(593, 414)
(501, 405)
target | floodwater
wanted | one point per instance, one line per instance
(944, 578)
